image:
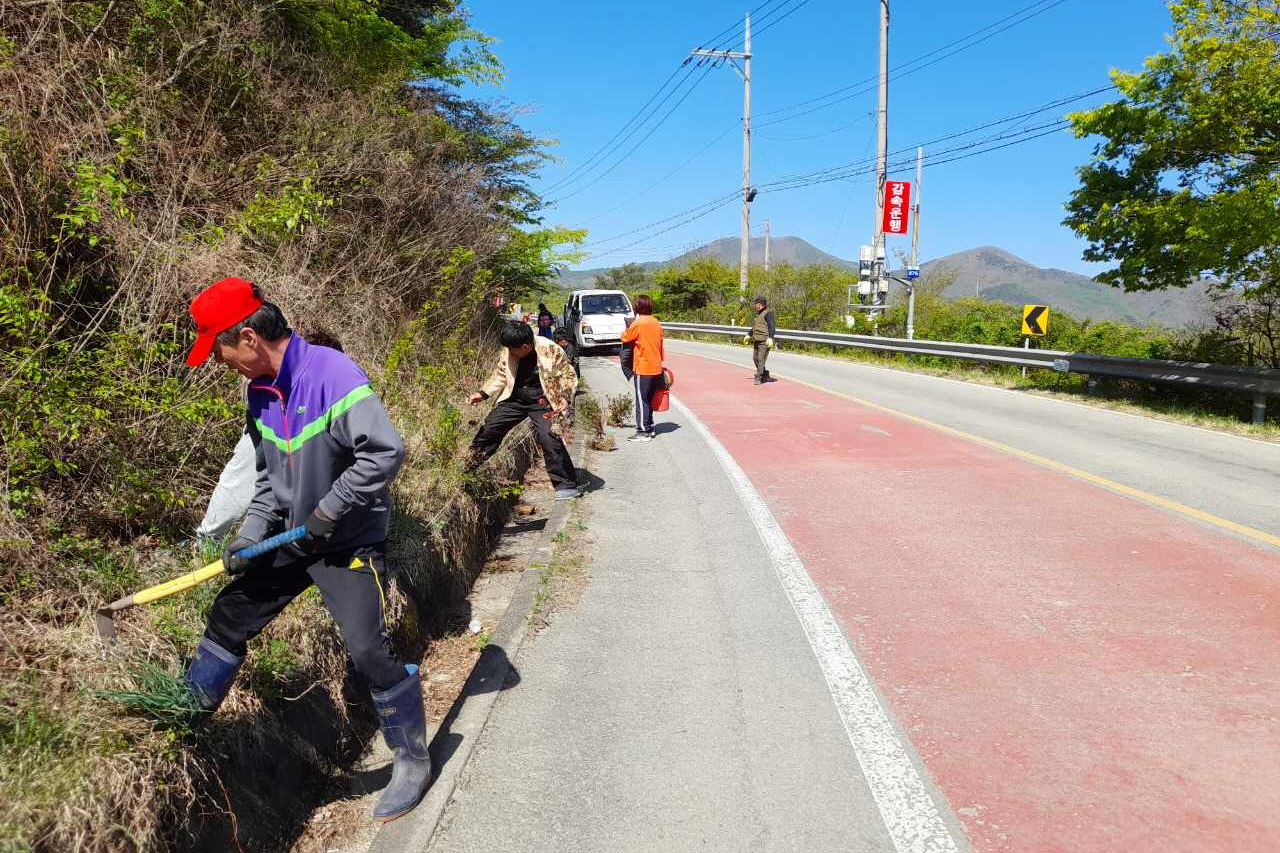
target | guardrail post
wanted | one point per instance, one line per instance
(1091, 383)
(1259, 408)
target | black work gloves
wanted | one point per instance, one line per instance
(319, 528)
(236, 566)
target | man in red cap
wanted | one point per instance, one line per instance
(326, 454)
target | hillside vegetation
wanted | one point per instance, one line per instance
(988, 271)
(148, 147)
(815, 298)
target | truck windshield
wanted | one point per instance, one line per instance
(605, 303)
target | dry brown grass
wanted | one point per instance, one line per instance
(177, 133)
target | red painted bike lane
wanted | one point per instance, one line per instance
(1079, 671)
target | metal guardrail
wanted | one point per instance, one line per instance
(1258, 382)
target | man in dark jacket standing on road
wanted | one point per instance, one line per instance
(761, 337)
(326, 455)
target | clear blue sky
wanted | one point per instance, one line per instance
(579, 70)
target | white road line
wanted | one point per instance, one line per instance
(910, 814)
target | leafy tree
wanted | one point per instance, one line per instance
(1250, 328)
(1186, 181)
(807, 297)
(628, 277)
(529, 260)
(695, 284)
(371, 41)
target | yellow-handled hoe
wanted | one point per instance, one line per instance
(105, 619)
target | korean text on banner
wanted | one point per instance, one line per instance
(897, 201)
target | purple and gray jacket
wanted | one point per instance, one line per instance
(322, 439)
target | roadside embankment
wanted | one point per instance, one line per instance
(147, 149)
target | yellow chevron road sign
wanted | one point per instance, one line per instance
(1035, 320)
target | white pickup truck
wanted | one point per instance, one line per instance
(596, 318)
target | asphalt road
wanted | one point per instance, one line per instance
(1081, 665)
(1230, 477)
(858, 609)
(679, 706)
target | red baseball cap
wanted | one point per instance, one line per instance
(217, 308)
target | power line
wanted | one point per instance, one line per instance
(643, 139)
(838, 174)
(642, 251)
(985, 125)
(1058, 103)
(924, 56)
(853, 123)
(603, 148)
(641, 116)
(798, 5)
(844, 172)
(905, 68)
(725, 199)
(723, 204)
(691, 158)
(738, 27)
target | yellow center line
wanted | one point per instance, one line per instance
(1045, 462)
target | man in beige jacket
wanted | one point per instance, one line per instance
(533, 380)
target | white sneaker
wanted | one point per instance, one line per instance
(641, 436)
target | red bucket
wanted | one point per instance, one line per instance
(661, 400)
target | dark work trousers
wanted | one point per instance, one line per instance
(644, 387)
(761, 355)
(353, 585)
(506, 416)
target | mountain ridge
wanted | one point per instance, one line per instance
(988, 271)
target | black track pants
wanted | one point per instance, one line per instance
(506, 416)
(644, 387)
(353, 586)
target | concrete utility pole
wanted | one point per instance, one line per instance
(913, 266)
(748, 194)
(766, 245)
(880, 285)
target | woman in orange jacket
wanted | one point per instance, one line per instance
(644, 336)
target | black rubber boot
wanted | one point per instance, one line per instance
(404, 726)
(211, 673)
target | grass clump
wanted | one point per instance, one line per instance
(160, 695)
(591, 415)
(323, 151)
(620, 406)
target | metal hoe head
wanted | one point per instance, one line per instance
(104, 620)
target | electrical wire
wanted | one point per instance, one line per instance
(643, 114)
(1059, 102)
(796, 6)
(961, 152)
(739, 28)
(842, 173)
(906, 68)
(713, 202)
(741, 41)
(707, 212)
(691, 158)
(642, 141)
(860, 168)
(851, 124)
(567, 178)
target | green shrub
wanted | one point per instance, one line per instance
(620, 407)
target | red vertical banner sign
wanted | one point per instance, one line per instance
(897, 201)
